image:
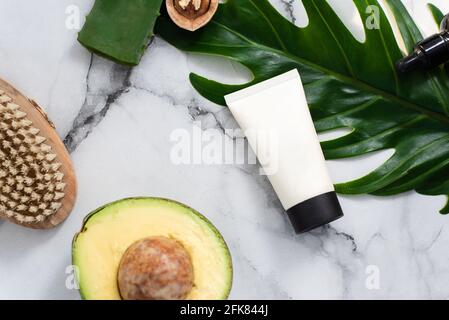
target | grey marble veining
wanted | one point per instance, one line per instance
(290, 10)
(99, 97)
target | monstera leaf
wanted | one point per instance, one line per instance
(348, 85)
(436, 13)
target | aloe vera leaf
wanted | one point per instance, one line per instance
(120, 29)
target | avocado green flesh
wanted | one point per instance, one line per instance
(110, 230)
(120, 29)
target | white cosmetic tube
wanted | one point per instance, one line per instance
(275, 117)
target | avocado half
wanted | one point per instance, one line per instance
(110, 230)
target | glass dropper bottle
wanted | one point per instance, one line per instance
(429, 53)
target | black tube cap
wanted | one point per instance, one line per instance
(315, 212)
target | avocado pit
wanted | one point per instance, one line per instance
(155, 268)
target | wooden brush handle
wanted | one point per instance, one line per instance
(47, 130)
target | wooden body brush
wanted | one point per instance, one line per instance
(37, 181)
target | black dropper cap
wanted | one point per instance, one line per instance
(415, 61)
(429, 53)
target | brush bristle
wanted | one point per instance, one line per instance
(31, 184)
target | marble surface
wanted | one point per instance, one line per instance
(117, 123)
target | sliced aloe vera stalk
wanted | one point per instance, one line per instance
(120, 29)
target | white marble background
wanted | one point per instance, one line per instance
(116, 123)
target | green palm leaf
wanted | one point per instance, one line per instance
(348, 85)
(436, 13)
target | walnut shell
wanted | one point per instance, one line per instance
(191, 14)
